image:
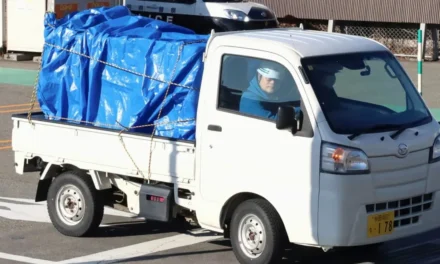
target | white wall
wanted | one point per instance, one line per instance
(28, 36)
(2, 23)
(25, 25)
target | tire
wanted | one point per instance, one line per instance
(87, 205)
(257, 215)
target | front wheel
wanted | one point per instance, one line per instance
(257, 233)
(74, 205)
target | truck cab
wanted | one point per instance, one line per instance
(340, 142)
(202, 16)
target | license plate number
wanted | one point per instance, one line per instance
(380, 224)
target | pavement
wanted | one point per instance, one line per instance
(430, 83)
(27, 236)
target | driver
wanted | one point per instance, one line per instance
(324, 79)
(261, 97)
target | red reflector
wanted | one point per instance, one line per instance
(155, 198)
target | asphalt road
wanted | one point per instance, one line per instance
(430, 78)
(26, 235)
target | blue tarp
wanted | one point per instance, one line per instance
(93, 65)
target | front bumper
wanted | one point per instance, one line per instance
(345, 203)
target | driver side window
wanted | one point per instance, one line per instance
(255, 87)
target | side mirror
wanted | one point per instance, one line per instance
(287, 119)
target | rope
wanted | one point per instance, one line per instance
(116, 66)
(37, 78)
(124, 129)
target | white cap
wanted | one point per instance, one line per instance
(270, 70)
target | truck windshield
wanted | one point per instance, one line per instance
(365, 92)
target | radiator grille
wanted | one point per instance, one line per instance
(406, 211)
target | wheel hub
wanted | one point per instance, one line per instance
(252, 236)
(70, 205)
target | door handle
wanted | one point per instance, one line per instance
(215, 128)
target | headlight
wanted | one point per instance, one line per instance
(236, 15)
(343, 160)
(435, 152)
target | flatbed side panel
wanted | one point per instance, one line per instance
(103, 150)
(19, 163)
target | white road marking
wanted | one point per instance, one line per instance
(435, 241)
(37, 212)
(434, 261)
(145, 248)
(23, 200)
(24, 259)
(24, 212)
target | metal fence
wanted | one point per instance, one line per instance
(400, 38)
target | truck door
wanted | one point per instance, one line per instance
(180, 12)
(242, 150)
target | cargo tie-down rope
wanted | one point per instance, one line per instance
(34, 95)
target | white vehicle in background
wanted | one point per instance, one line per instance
(349, 156)
(204, 15)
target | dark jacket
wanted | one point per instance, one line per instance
(255, 101)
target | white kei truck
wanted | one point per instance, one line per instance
(350, 159)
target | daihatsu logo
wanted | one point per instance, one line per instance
(402, 150)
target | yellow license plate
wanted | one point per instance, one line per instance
(380, 224)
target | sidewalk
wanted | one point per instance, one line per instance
(430, 83)
(18, 73)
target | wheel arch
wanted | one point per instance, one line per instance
(52, 170)
(233, 202)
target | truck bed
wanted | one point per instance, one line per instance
(101, 149)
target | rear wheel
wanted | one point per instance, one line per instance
(74, 205)
(257, 233)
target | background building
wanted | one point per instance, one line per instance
(392, 22)
(22, 22)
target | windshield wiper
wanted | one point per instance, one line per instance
(406, 126)
(400, 128)
(373, 129)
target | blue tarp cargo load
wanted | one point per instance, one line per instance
(109, 68)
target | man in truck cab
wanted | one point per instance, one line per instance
(262, 96)
(323, 79)
(267, 91)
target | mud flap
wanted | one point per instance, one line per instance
(42, 189)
